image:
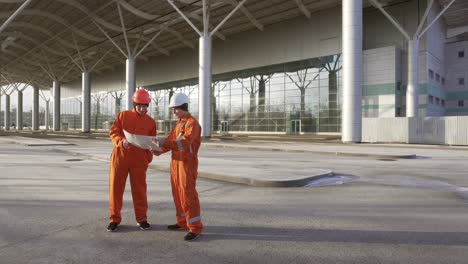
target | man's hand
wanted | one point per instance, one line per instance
(155, 147)
(155, 142)
(125, 143)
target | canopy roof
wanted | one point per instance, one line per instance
(51, 38)
(57, 39)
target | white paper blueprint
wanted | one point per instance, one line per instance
(141, 141)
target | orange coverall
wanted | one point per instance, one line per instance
(184, 142)
(133, 161)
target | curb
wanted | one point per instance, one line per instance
(334, 153)
(256, 182)
(226, 178)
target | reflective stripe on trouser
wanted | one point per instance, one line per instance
(183, 181)
(117, 178)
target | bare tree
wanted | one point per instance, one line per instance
(117, 95)
(332, 69)
(214, 110)
(262, 81)
(47, 108)
(156, 98)
(252, 91)
(302, 84)
(99, 98)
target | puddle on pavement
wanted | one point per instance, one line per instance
(329, 181)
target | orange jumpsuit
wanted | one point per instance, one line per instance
(184, 142)
(133, 161)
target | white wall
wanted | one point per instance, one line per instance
(448, 130)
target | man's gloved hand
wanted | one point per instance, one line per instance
(125, 143)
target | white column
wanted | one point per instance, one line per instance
(130, 81)
(47, 115)
(35, 108)
(86, 102)
(0, 110)
(412, 91)
(351, 123)
(56, 120)
(19, 111)
(7, 112)
(204, 85)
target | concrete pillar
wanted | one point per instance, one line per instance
(130, 83)
(204, 86)
(351, 123)
(35, 108)
(47, 115)
(56, 91)
(1, 110)
(7, 112)
(86, 102)
(19, 111)
(412, 91)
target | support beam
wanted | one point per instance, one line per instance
(86, 102)
(453, 32)
(35, 108)
(204, 86)
(379, 6)
(19, 111)
(412, 91)
(1, 93)
(15, 14)
(7, 112)
(130, 82)
(47, 115)
(56, 91)
(352, 71)
(302, 7)
(435, 19)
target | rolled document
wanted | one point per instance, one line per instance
(142, 141)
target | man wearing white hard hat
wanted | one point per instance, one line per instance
(184, 142)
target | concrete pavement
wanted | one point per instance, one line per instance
(250, 170)
(53, 209)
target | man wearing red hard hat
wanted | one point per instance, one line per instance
(129, 159)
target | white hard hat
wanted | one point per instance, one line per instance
(178, 100)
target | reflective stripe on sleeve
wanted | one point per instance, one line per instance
(194, 219)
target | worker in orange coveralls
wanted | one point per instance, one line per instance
(129, 159)
(184, 142)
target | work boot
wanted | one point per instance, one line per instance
(112, 227)
(144, 225)
(174, 227)
(191, 236)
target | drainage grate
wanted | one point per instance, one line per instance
(74, 160)
(387, 159)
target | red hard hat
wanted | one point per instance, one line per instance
(141, 96)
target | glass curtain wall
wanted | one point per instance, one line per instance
(290, 98)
